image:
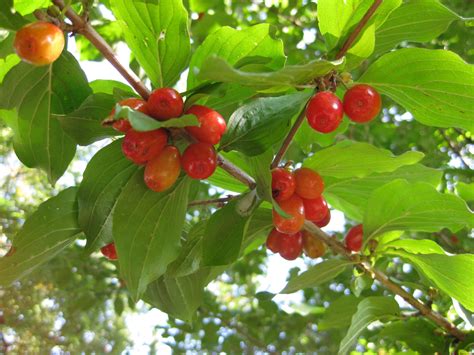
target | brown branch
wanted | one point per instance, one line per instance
(217, 201)
(338, 248)
(360, 26)
(83, 27)
(289, 138)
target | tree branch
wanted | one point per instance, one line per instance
(360, 26)
(454, 148)
(338, 248)
(218, 201)
(83, 27)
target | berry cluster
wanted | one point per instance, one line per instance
(325, 111)
(299, 194)
(163, 161)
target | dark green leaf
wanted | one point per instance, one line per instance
(8, 20)
(249, 126)
(434, 85)
(84, 124)
(147, 229)
(105, 177)
(339, 313)
(259, 168)
(316, 275)
(157, 33)
(39, 94)
(369, 310)
(51, 229)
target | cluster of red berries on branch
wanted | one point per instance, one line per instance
(325, 111)
(163, 161)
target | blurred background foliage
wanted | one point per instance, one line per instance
(76, 303)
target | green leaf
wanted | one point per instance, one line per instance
(105, 178)
(8, 20)
(316, 275)
(157, 33)
(142, 123)
(217, 69)
(369, 310)
(84, 124)
(350, 195)
(259, 168)
(248, 127)
(180, 297)
(414, 246)
(39, 94)
(6, 45)
(451, 274)
(356, 159)
(25, 7)
(224, 234)
(7, 64)
(47, 232)
(224, 180)
(147, 229)
(465, 191)
(339, 313)
(233, 45)
(436, 86)
(426, 341)
(404, 24)
(338, 18)
(307, 138)
(110, 87)
(405, 206)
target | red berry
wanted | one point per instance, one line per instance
(316, 209)
(163, 171)
(362, 103)
(354, 238)
(454, 239)
(199, 160)
(273, 241)
(325, 221)
(309, 183)
(123, 125)
(141, 147)
(211, 124)
(283, 184)
(39, 43)
(294, 207)
(165, 103)
(324, 112)
(291, 245)
(312, 245)
(109, 251)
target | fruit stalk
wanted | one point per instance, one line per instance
(338, 248)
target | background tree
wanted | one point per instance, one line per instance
(71, 298)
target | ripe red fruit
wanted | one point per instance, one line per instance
(39, 43)
(355, 238)
(309, 183)
(313, 246)
(212, 125)
(199, 160)
(163, 171)
(165, 103)
(122, 125)
(109, 251)
(294, 207)
(325, 221)
(315, 209)
(141, 147)
(283, 184)
(291, 245)
(362, 103)
(273, 241)
(324, 112)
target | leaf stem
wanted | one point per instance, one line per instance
(360, 26)
(83, 27)
(338, 248)
(218, 201)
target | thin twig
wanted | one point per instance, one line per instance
(212, 201)
(360, 26)
(84, 28)
(339, 248)
(455, 149)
